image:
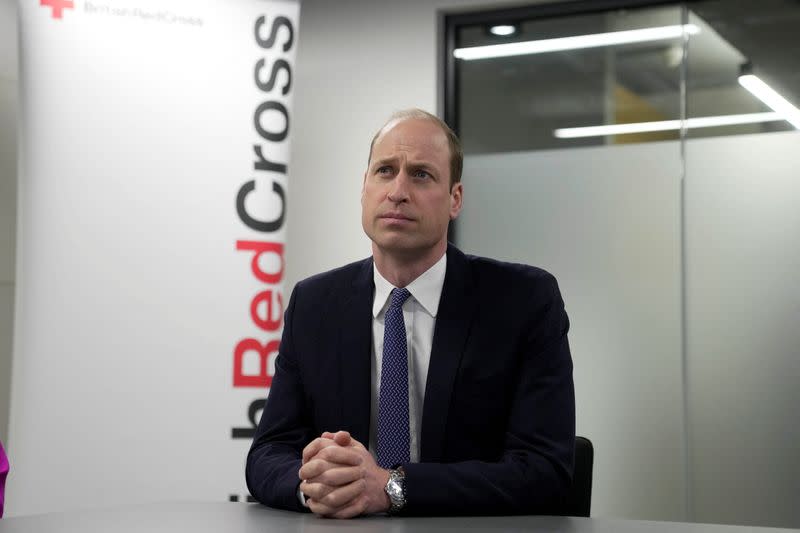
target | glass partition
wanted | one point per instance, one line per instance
(643, 152)
(742, 245)
(584, 71)
(742, 50)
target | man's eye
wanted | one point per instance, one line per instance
(383, 170)
(421, 174)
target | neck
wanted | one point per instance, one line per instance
(402, 269)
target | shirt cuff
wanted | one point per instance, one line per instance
(301, 497)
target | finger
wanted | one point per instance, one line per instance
(328, 435)
(314, 448)
(311, 449)
(355, 508)
(328, 459)
(317, 508)
(342, 438)
(315, 491)
(339, 455)
(315, 468)
(336, 477)
(339, 498)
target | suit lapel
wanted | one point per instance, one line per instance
(355, 354)
(453, 320)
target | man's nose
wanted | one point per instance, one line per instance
(398, 189)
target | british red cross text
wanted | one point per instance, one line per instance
(266, 305)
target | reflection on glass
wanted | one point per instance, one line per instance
(616, 77)
(737, 40)
(570, 72)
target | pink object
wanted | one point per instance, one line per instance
(3, 473)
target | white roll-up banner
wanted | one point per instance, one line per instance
(153, 181)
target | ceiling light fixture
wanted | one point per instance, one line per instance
(666, 125)
(660, 33)
(503, 30)
(771, 98)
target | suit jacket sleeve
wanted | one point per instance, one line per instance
(284, 430)
(533, 472)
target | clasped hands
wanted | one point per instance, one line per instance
(341, 479)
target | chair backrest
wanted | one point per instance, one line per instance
(3, 472)
(579, 502)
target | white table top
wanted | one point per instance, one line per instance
(246, 518)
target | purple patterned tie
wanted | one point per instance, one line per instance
(394, 439)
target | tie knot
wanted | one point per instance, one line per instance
(399, 296)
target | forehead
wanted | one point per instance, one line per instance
(423, 138)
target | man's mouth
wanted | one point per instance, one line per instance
(395, 216)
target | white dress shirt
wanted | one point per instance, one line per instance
(419, 315)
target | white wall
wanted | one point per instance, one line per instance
(8, 197)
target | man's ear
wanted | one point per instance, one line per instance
(456, 200)
(363, 186)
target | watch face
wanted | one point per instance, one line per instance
(394, 489)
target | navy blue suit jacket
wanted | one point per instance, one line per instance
(498, 421)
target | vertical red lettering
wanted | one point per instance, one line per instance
(267, 323)
(263, 351)
(260, 248)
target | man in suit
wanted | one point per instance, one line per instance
(421, 380)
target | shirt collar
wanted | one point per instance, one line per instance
(426, 289)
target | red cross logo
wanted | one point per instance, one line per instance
(58, 6)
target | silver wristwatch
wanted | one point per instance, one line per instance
(396, 490)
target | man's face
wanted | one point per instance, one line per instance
(406, 200)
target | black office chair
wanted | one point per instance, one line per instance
(579, 501)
